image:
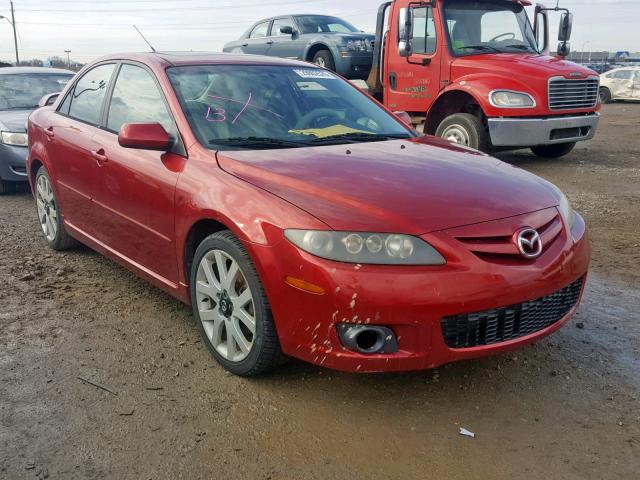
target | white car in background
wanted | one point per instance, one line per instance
(620, 84)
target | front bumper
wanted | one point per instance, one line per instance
(13, 167)
(411, 301)
(530, 132)
(355, 66)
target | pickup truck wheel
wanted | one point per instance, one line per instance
(553, 151)
(231, 307)
(605, 95)
(324, 59)
(464, 129)
(49, 214)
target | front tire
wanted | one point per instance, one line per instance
(323, 58)
(553, 151)
(49, 214)
(231, 307)
(605, 95)
(464, 129)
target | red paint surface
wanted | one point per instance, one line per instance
(139, 207)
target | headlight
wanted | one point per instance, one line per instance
(366, 248)
(356, 46)
(13, 138)
(566, 210)
(509, 99)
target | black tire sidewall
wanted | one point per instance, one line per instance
(328, 59)
(553, 151)
(226, 242)
(478, 137)
(604, 91)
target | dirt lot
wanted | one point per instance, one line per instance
(566, 408)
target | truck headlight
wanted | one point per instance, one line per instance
(366, 248)
(14, 138)
(510, 99)
(567, 211)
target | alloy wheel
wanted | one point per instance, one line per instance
(226, 305)
(320, 62)
(47, 208)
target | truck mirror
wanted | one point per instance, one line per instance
(405, 32)
(563, 49)
(566, 24)
(541, 30)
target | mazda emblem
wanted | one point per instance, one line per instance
(529, 243)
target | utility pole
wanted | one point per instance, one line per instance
(15, 35)
(68, 58)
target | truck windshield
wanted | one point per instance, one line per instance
(489, 26)
(258, 107)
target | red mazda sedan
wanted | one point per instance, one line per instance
(299, 217)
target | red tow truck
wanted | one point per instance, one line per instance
(478, 73)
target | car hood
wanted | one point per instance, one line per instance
(527, 66)
(403, 186)
(14, 120)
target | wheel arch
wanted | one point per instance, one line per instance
(448, 103)
(315, 48)
(196, 234)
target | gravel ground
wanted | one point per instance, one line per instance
(103, 376)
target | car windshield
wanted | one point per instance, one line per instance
(24, 90)
(259, 107)
(475, 27)
(324, 24)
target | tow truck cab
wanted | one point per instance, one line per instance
(477, 72)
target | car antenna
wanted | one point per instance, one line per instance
(143, 37)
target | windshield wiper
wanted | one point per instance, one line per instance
(356, 137)
(256, 142)
(479, 47)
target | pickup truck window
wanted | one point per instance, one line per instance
(256, 106)
(424, 31)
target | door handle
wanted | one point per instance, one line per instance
(270, 42)
(245, 45)
(99, 157)
(49, 132)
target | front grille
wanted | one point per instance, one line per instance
(507, 323)
(569, 94)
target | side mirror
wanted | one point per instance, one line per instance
(566, 25)
(541, 30)
(405, 32)
(404, 118)
(563, 49)
(48, 99)
(144, 136)
(287, 30)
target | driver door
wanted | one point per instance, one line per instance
(413, 83)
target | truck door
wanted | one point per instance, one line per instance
(412, 83)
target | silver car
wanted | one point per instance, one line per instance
(21, 88)
(327, 41)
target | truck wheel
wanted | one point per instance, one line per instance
(464, 129)
(553, 151)
(605, 95)
(324, 59)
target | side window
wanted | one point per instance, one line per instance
(279, 23)
(136, 98)
(88, 95)
(64, 107)
(260, 30)
(624, 74)
(424, 31)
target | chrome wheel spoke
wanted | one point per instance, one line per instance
(246, 318)
(235, 335)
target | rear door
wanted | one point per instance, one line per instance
(134, 191)
(256, 44)
(621, 82)
(71, 145)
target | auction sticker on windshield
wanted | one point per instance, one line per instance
(314, 73)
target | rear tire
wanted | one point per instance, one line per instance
(231, 308)
(49, 213)
(464, 129)
(323, 58)
(553, 151)
(605, 95)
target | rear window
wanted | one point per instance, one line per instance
(24, 90)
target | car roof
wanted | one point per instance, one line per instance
(169, 59)
(43, 70)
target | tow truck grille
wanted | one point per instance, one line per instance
(507, 323)
(570, 94)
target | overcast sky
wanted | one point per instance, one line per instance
(91, 28)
